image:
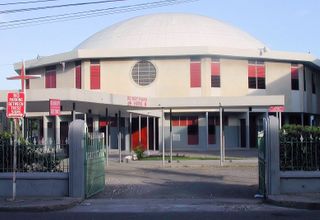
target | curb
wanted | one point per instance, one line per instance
(55, 206)
(311, 205)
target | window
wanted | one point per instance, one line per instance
(313, 83)
(215, 73)
(256, 75)
(195, 73)
(143, 73)
(78, 74)
(211, 130)
(294, 77)
(50, 77)
(27, 80)
(193, 130)
(94, 74)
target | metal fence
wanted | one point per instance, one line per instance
(299, 154)
(34, 158)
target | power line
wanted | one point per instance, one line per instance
(87, 14)
(27, 2)
(10, 11)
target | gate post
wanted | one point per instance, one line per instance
(272, 156)
(77, 130)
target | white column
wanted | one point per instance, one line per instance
(171, 138)
(147, 132)
(154, 133)
(162, 125)
(130, 131)
(207, 130)
(248, 130)
(139, 129)
(45, 131)
(57, 127)
(95, 123)
(221, 136)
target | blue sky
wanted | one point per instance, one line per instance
(288, 25)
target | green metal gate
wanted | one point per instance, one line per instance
(94, 164)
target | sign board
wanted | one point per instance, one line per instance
(54, 106)
(137, 101)
(15, 105)
(276, 108)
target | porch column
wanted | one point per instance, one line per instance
(107, 137)
(57, 127)
(162, 135)
(147, 132)
(95, 123)
(154, 133)
(207, 130)
(139, 129)
(119, 138)
(130, 132)
(248, 130)
(171, 139)
(45, 131)
(221, 137)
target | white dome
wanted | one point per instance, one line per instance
(170, 31)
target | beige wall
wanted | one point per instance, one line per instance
(173, 80)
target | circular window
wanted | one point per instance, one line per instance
(143, 73)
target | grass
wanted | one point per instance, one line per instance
(189, 158)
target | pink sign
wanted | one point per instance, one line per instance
(137, 101)
(276, 108)
(15, 105)
(54, 107)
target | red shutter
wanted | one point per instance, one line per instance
(175, 121)
(252, 71)
(195, 74)
(261, 72)
(78, 76)
(95, 77)
(215, 69)
(51, 79)
(294, 72)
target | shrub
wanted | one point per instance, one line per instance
(139, 152)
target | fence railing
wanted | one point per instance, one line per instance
(299, 154)
(34, 158)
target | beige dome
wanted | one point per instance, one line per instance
(170, 30)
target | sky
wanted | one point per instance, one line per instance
(284, 25)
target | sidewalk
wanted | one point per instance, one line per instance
(300, 201)
(36, 204)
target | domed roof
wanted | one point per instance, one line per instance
(170, 30)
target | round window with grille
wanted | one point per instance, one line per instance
(144, 73)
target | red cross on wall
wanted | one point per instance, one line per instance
(23, 77)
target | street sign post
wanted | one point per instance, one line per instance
(15, 110)
(15, 105)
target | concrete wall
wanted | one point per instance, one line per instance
(173, 80)
(299, 182)
(36, 184)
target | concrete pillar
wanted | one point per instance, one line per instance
(148, 132)
(248, 130)
(57, 127)
(154, 133)
(95, 123)
(171, 138)
(207, 130)
(76, 159)
(130, 131)
(221, 136)
(139, 129)
(273, 159)
(44, 140)
(162, 135)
